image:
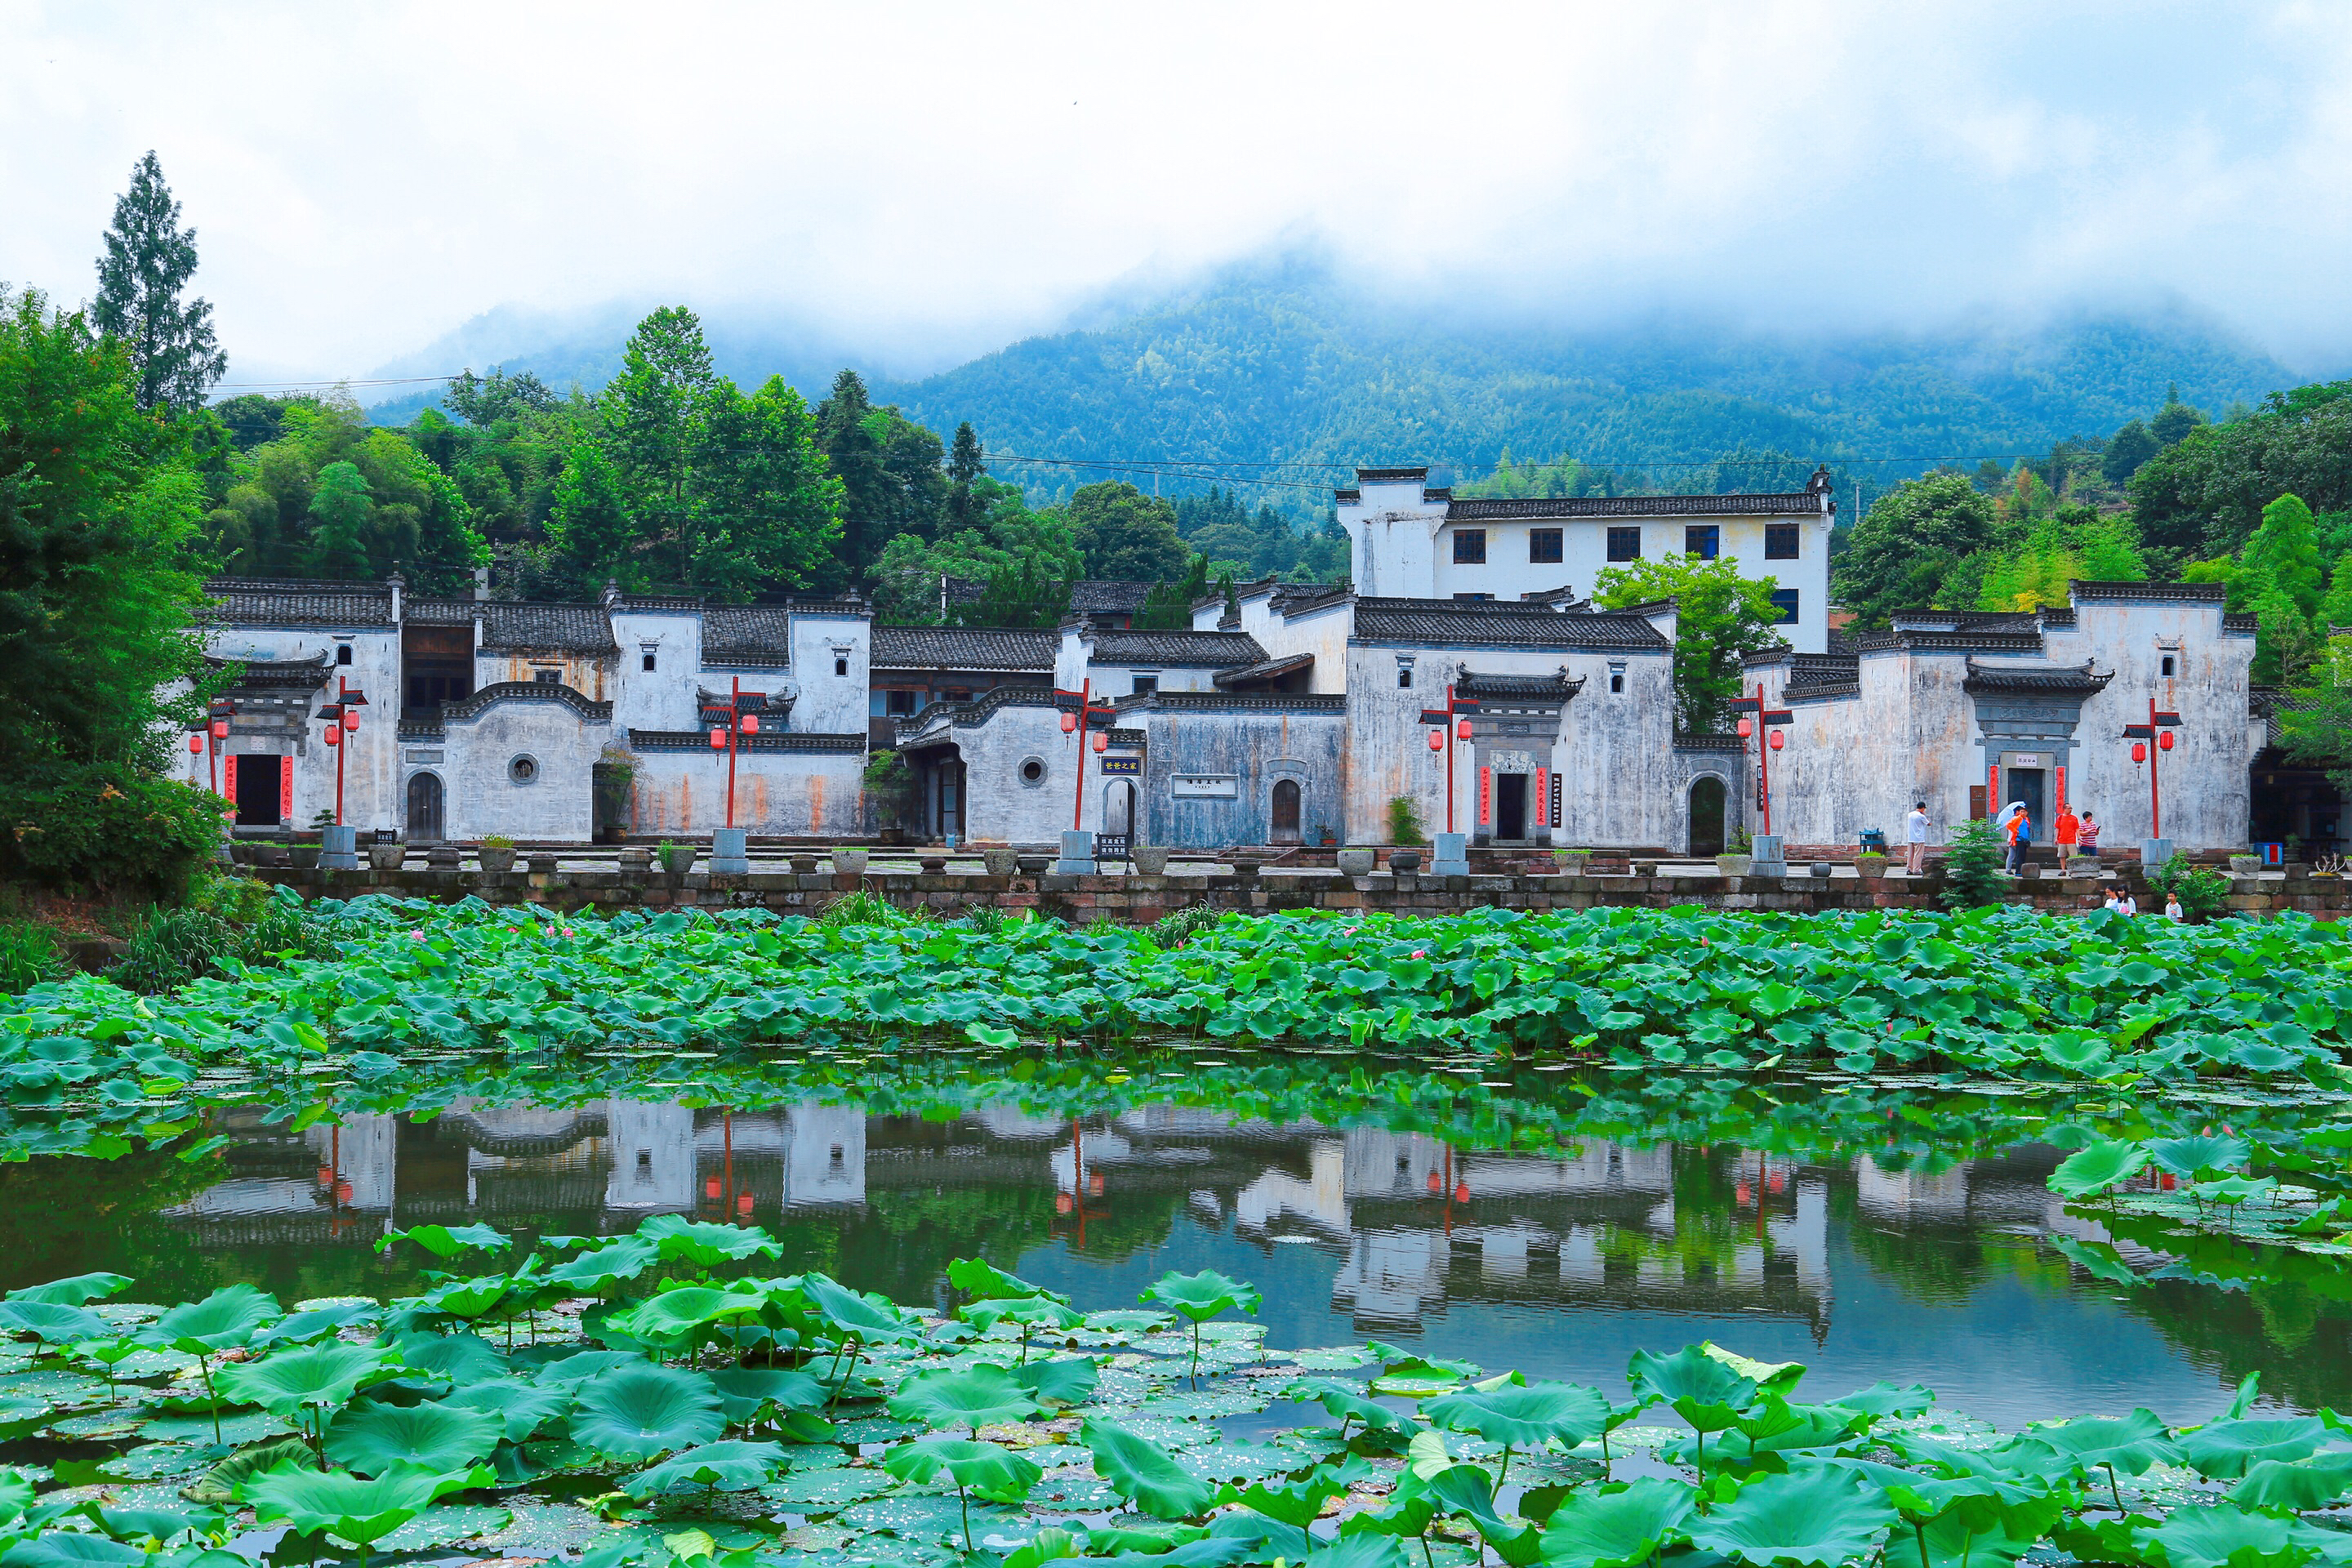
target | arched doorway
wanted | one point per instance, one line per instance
(1706, 801)
(1118, 807)
(1283, 823)
(423, 808)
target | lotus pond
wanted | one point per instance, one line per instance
(1591, 1240)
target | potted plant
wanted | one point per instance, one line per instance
(387, 853)
(2328, 867)
(1572, 862)
(497, 853)
(2245, 864)
(1870, 866)
(1404, 862)
(1324, 836)
(677, 859)
(1357, 862)
(1738, 855)
(1149, 859)
(849, 862)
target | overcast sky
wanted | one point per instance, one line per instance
(928, 181)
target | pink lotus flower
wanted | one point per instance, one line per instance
(567, 930)
(1421, 952)
(417, 935)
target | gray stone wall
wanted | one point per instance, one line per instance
(776, 791)
(1210, 773)
(480, 792)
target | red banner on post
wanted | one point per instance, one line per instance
(229, 777)
(1543, 796)
(285, 787)
(1486, 797)
(2061, 789)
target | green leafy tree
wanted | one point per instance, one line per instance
(1719, 617)
(2073, 541)
(889, 468)
(149, 261)
(1972, 874)
(588, 525)
(1168, 606)
(770, 513)
(965, 467)
(2207, 490)
(1027, 557)
(341, 510)
(483, 401)
(1125, 535)
(2128, 450)
(2175, 420)
(656, 413)
(2286, 546)
(1909, 544)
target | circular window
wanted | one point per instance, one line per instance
(523, 770)
(1033, 770)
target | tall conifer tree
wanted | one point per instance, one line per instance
(149, 258)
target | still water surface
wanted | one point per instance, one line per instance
(1559, 1266)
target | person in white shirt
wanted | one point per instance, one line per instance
(1915, 845)
(2128, 905)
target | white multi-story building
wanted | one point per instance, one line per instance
(1412, 542)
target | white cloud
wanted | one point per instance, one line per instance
(940, 176)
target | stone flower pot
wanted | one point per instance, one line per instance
(1357, 862)
(1870, 868)
(540, 865)
(803, 865)
(305, 856)
(679, 859)
(1404, 861)
(1821, 870)
(932, 865)
(387, 856)
(2245, 865)
(1150, 859)
(441, 856)
(636, 859)
(495, 860)
(1034, 865)
(1001, 860)
(849, 862)
(1734, 865)
(1572, 862)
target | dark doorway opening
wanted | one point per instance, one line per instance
(1285, 811)
(948, 815)
(608, 793)
(258, 802)
(1706, 802)
(1510, 805)
(2025, 784)
(423, 808)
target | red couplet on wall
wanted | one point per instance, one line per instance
(1486, 797)
(1543, 796)
(2061, 789)
(229, 777)
(285, 787)
(1993, 788)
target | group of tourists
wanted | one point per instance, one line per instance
(2076, 836)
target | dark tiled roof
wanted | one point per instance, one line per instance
(1347, 495)
(1089, 596)
(758, 634)
(1517, 688)
(965, 648)
(1295, 599)
(2194, 592)
(1234, 703)
(1264, 670)
(440, 612)
(1218, 651)
(1391, 475)
(2062, 680)
(275, 602)
(594, 712)
(1687, 743)
(699, 740)
(942, 715)
(664, 604)
(1441, 623)
(1946, 642)
(1824, 669)
(1794, 504)
(278, 675)
(2240, 624)
(553, 628)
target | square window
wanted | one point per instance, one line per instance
(649, 664)
(1405, 677)
(1469, 547)
(898, 704)
(1624, 544)
(840, 666)
(1780, 542)
(1544, 546)
(1785, 600)
(1704, 539)
(548, 676)
(1471, 598)
(1146, 684)
(343, 653)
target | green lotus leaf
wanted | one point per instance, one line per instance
(1360, 1552)
(50, 1323)
(1780, 1377)
(2191, 1158)
(155, 1524)
(225, 1320)
(77, 1291)
(704, 1244)
(2222, 1449)
(1884, 1398)
(2227, 1537)
(311, 1378)
(730, 1466)
(358, 1511)
(1350, 1402)
(984, 1282)
(1029, 1311)
(1821, 1515)
(1058, 1384)
(521, 1408)
(975, 1396)
(1202, 1296)
(218, 1485)
(463, 1358)
(988, 1470)
(371, 1439)
(1297, 1502)
(2096, 1167)
(2234, 1190)
(1617, 1526)
(300, 1328)
(444, 1241)
(70, 1549)
(581, 1367)
(468, 1299)
(1698, 1387)
(1143, 1472)
(1523, 1416)
(676, 1316)
(2128, 1443)
(605, 1266)
(15, 1494)
(744, 1392)
(2275, 1483)
(641, 1410)
(855, 1315)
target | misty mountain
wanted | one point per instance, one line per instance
(1285, 370)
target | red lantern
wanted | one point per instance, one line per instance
(350, 717)
(710, 1187)
(220, 728)
(1747, 727)
(1095, 1183)
(2164, 742)
(196, 744)
(1461, 1191)
(1069, 723)
(742, 1202)
(1462, 728)
(1778, 739)
(718, 739)
(334, 736)
(1061, 1204)
(1437, 739)
(751, 723)
(2139, 752)
(1102, 742)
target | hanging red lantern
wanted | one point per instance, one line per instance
(742, 1202)
(220, 728)
(751, 723)
(717, 740)
(1436, 1182)
(1778, 739)
(350, 717)
(1069, 723)
(1461, 1191)
(710, 1187)
(1102, 742)
(196, 744)
(1437, 739)
(1061, 1204)
(2164, 742)
(1747, 727)
(2139, 752)
(334, 736)
(1095, 1183)
(1462, 728)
